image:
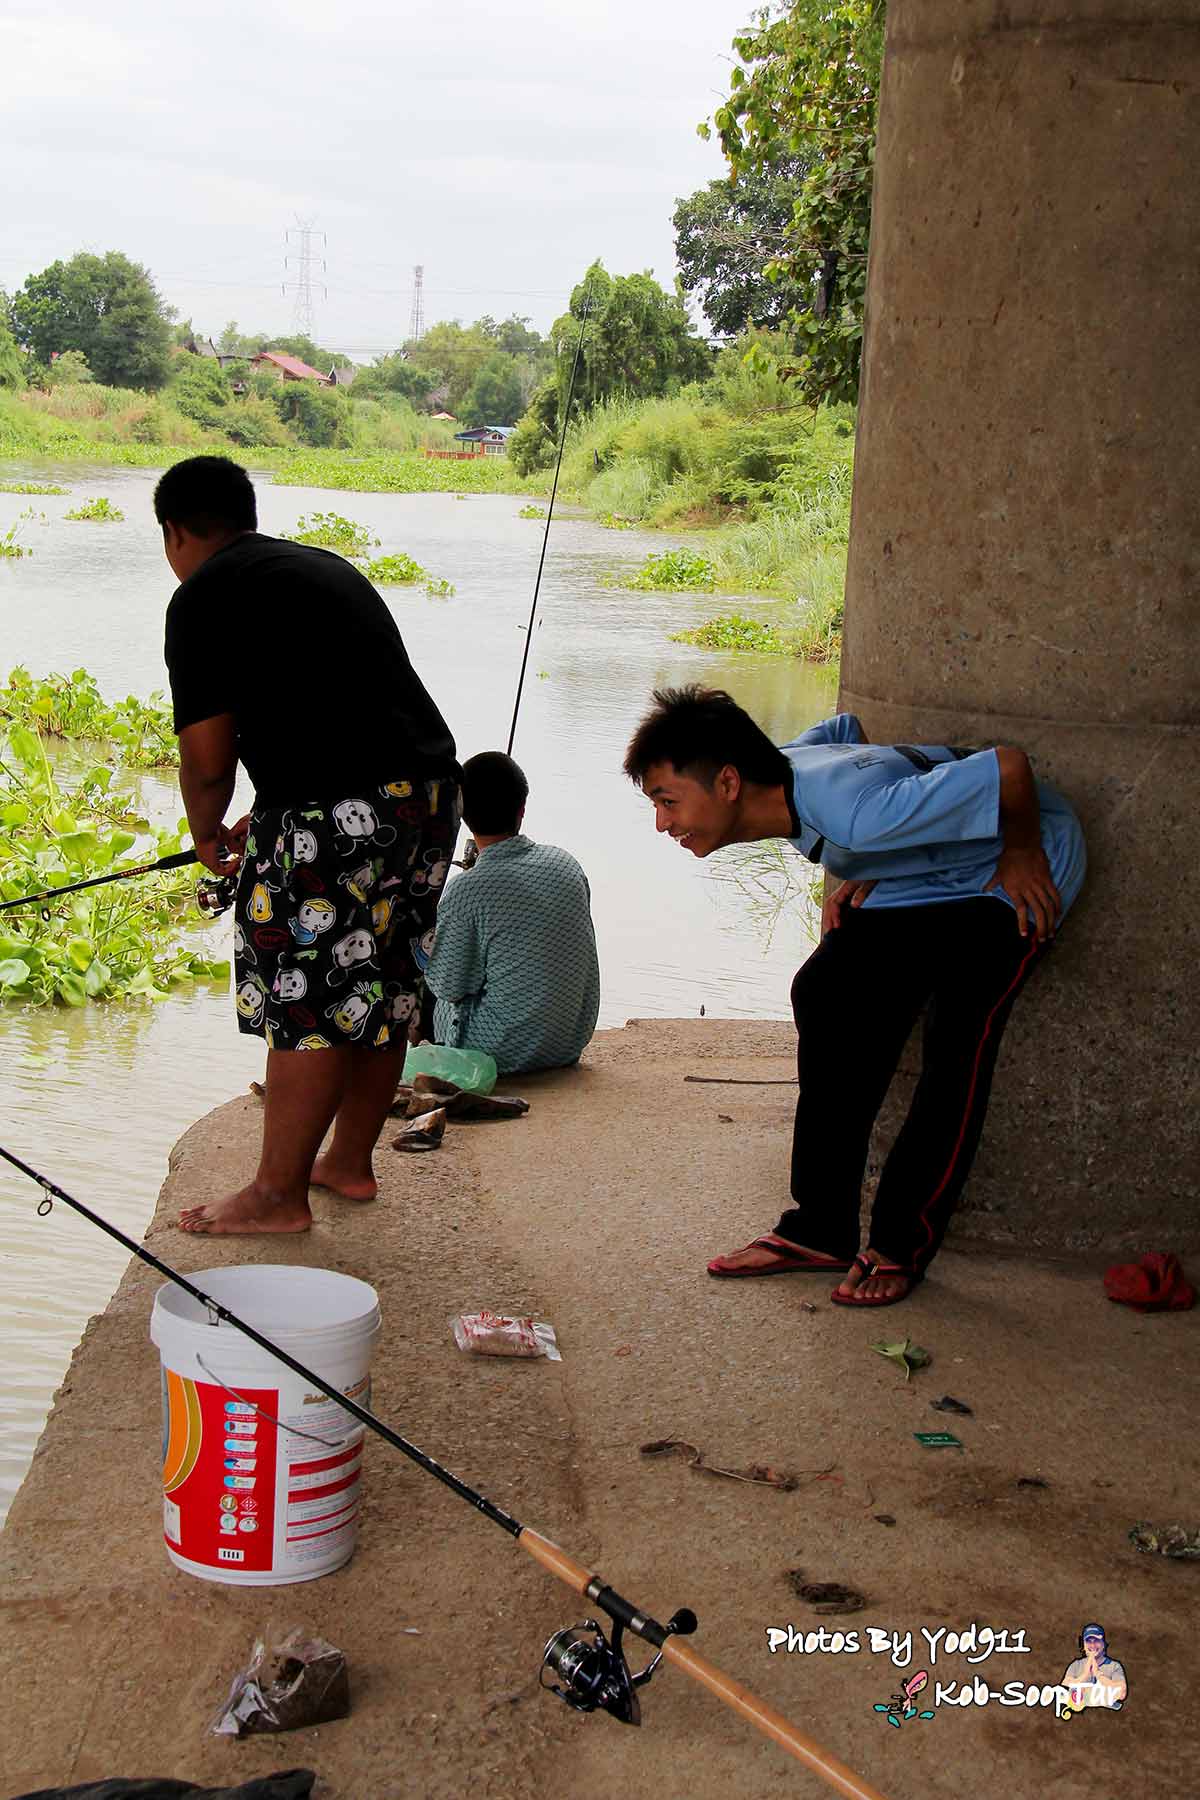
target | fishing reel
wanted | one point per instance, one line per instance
(216, 894)
(593, 1671)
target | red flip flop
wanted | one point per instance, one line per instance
(876, 1268)
(797, 1262)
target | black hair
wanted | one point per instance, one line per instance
(494, 790)
(700, 731)
(206, 495)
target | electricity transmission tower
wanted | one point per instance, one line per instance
(304, 259)
(416, 322)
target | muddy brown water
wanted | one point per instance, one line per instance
(96, 1098)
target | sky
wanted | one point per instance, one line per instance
(501, 147)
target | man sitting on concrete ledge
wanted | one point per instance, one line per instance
(956, 870)
(514, 962)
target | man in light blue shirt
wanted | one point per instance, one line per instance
(514, 963)
(956, 869)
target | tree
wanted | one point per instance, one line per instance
(459, 351)
(104, 306)
(807, 87)
(398, 374)
(638, 340)
(12, 363)
(495, 396)
(727, 233)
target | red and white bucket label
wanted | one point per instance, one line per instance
(242, 1493)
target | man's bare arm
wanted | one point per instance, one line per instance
(207, 771)
(1023, 870)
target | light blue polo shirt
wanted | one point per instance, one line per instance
(923, 820)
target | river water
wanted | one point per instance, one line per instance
(96, 1098)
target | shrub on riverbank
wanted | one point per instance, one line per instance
(767, 480)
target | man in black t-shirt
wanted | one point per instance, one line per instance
(286, 659)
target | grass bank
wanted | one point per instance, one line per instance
(122, 428)
(765, 484)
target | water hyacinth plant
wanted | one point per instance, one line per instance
(395, 571)
(114, 942)
(100, 511)
(71, 706)
(669, 571)
(330, 531)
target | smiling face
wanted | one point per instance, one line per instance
(701, 817)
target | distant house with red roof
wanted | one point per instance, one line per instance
(288, 368)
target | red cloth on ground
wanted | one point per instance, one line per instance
(1155, 1284)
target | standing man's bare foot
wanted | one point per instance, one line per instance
(350, 1184)
(249, 1213)
(873, 1281)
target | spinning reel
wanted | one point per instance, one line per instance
(216, 894)
(593, 1671)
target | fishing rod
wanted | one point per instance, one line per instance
(562, 443)
(178, 860)
(586, 1666)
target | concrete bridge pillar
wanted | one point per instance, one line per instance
(1025, 544)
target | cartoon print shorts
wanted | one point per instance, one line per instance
(333, 903)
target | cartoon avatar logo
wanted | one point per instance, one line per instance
(381, 914)
(314, 1041)
(251, 1000)
(260, 904)
(1094, 1678)
(314, 917)
(304, 846)
(240, 947)
(902, 1706)
(398, 790)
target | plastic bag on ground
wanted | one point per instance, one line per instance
(473, 1070)
(298, 1681)
(502, 1334)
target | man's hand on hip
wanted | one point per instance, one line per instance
(851, 893)
(1026, 879)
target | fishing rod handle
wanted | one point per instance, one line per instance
(674, 1649)
(555, 1561)
(771, 1723)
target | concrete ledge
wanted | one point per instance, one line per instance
(598, 1212)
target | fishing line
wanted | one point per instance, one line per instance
(588, 1669)
(562, 444)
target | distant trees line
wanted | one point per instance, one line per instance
(780, 246)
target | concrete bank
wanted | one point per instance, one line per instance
(598, 1211)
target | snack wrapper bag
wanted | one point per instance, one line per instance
(501, 1334)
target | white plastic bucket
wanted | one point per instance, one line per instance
(262, 1473)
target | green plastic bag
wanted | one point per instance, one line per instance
(472, 1070)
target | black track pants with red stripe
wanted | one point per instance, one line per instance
(962, 963)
